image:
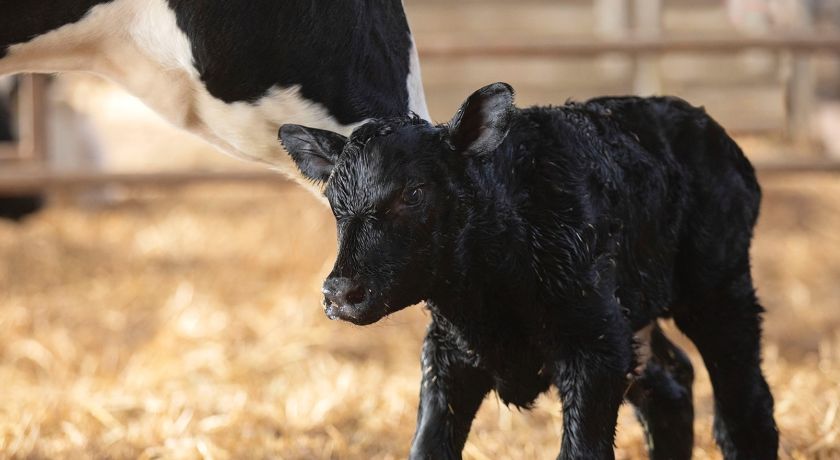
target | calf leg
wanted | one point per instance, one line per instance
(592, 377)
(451, 392)
(662, 399)
(725, 325)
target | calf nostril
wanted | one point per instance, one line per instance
(355, 295)
(343, 292)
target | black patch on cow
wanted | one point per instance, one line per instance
(351, 56)
(21, 21)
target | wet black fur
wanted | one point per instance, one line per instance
(545, 238)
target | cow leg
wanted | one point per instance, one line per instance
(662, 399)
(451, 392)
(725, 325)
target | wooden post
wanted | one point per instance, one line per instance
(612, 18)
(8, 149)
(801, 87)
(32, 111)
(612, 22)
(648, 15)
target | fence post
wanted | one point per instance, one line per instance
(612, 22)
(8, 148)
(647, 80)
(801, 86)
(32, 110)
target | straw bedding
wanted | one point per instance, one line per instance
(186, 324)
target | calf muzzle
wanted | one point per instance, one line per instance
(348, 300)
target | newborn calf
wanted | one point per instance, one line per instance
(541, 240)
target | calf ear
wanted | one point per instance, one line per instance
(483, 121)
(314, 151)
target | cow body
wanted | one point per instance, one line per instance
(231, 72)
(543, 240)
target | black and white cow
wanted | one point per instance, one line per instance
(230, 71)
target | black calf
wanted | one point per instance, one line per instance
(542, 240)
(662, 398)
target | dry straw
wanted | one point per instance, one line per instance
(187, 325)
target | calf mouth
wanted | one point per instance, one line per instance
(359, 314)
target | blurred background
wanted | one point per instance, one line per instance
(163, 301)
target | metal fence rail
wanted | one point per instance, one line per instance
(448, 49)
(18, 177)
(29, 181)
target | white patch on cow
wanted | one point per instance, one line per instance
(154, 29)
(253, 127)
(75, 46)
(643, 351)
(137, 43)
(245, 130)
(416, 95)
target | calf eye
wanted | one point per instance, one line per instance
(412, 196)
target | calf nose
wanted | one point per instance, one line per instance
(343, 292)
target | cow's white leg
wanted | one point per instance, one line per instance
(416, 95)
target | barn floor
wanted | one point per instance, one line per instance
(186, 324)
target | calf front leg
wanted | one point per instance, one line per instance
(592, 378)
(451, 392)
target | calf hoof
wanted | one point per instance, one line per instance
(439, 452)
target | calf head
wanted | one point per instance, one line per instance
(397, 190)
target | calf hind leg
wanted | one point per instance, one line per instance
(725, 325)
(662, 399)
